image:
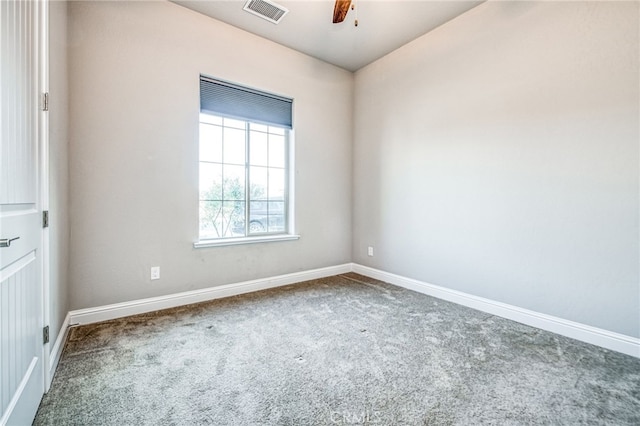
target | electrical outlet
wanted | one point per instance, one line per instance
(370, 251)
(155, 272)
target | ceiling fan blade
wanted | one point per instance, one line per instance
(340, 10)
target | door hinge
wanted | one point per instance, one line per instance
(45, 218)
(45, 335)
(45, 101)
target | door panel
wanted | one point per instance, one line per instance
(19, 90)
(21, 348)
(21, 360)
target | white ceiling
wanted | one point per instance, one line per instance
(383, 25)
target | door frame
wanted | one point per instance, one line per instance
(43, 126)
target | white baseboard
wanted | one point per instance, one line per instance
(585, 333)
(56, 350)
(125, 309)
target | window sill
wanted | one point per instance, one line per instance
(245, 240)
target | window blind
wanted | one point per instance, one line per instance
(234, 101)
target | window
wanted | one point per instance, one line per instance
(244, 164)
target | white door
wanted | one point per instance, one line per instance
(21, 344)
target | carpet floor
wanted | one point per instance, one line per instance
(340, 350)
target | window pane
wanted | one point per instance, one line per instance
(276, 216)
(223, 178)
(276, 130)
(233, 221)
(210, 219)
(259, 127)
(258, 176)
(276, 224)
(276, 184)
(276, 151)
(258, 217)
(234, 186)
(210, 181)
(258, 149)
(276, 207)
(211, 119)
(210, 143)
(238, 124)
(258, 208)
(234, 146)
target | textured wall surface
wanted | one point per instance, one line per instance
(498, 155)
(134, 99)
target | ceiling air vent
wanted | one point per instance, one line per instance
(266, 9)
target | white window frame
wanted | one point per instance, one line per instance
(289, 233)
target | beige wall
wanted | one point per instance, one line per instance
(58, 168)
(134, 69)
(498, 155)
